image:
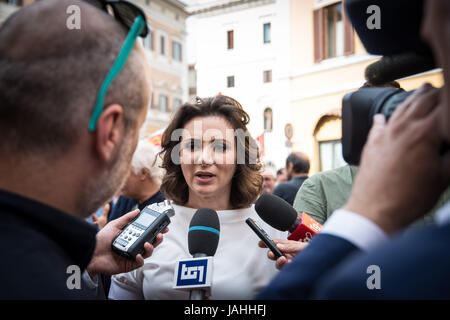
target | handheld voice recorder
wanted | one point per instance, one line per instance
(264, 237)
(144, 228)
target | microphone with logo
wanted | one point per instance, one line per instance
(203, 238)
(282, 216)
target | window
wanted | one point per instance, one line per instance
(266, 33)
(192, 91)
(152, 101)
(162, 45)
(176, 103)
(268, 120)
(230, 82)
(163, 103)
(333, 33)
(330, 153)
(230, 39)
(148, 41)
(267, 76)
(176, 51)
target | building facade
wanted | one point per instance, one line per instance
(327, 61)
(240, 49)
(165, 47)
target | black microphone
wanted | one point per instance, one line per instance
(203, 239)
(279, 214)
(391, 68)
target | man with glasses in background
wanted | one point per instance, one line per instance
(72, 103)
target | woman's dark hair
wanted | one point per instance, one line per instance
(246, 183)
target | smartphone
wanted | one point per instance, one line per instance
(264, 237)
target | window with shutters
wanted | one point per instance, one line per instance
(333, 33)
(230, 39)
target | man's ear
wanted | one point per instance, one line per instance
(289, 166)
(110, 132)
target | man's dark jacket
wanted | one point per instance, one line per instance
(125, 205)
(288, 190)
(39, 244)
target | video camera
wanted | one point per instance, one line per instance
(403, 54)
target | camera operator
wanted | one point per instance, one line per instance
(54, 170)
(402, 173)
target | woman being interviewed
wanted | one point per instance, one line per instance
(211, 162)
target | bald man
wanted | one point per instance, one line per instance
(53, 170)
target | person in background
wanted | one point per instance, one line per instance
(402, 174)
(323, 193)
(268, 175)
(297, 169)
(281, 176)
(142, 187)
(100, 217)
(211, 162)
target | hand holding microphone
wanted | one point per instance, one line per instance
(203, 238)
(282, 216)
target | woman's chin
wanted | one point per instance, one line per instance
(206, 191)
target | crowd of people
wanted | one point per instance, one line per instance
(62, 157)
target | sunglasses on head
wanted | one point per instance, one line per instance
(123, 11)
(133, 18)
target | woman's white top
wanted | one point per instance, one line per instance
(240, 268)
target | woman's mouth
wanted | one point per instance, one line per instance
(204, 177)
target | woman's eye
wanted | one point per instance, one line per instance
(220, 147)
(192, 145)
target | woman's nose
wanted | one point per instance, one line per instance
(206, 156)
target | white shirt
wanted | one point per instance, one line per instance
(240, 267)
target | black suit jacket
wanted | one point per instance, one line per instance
(124, 205)
(414, 265)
